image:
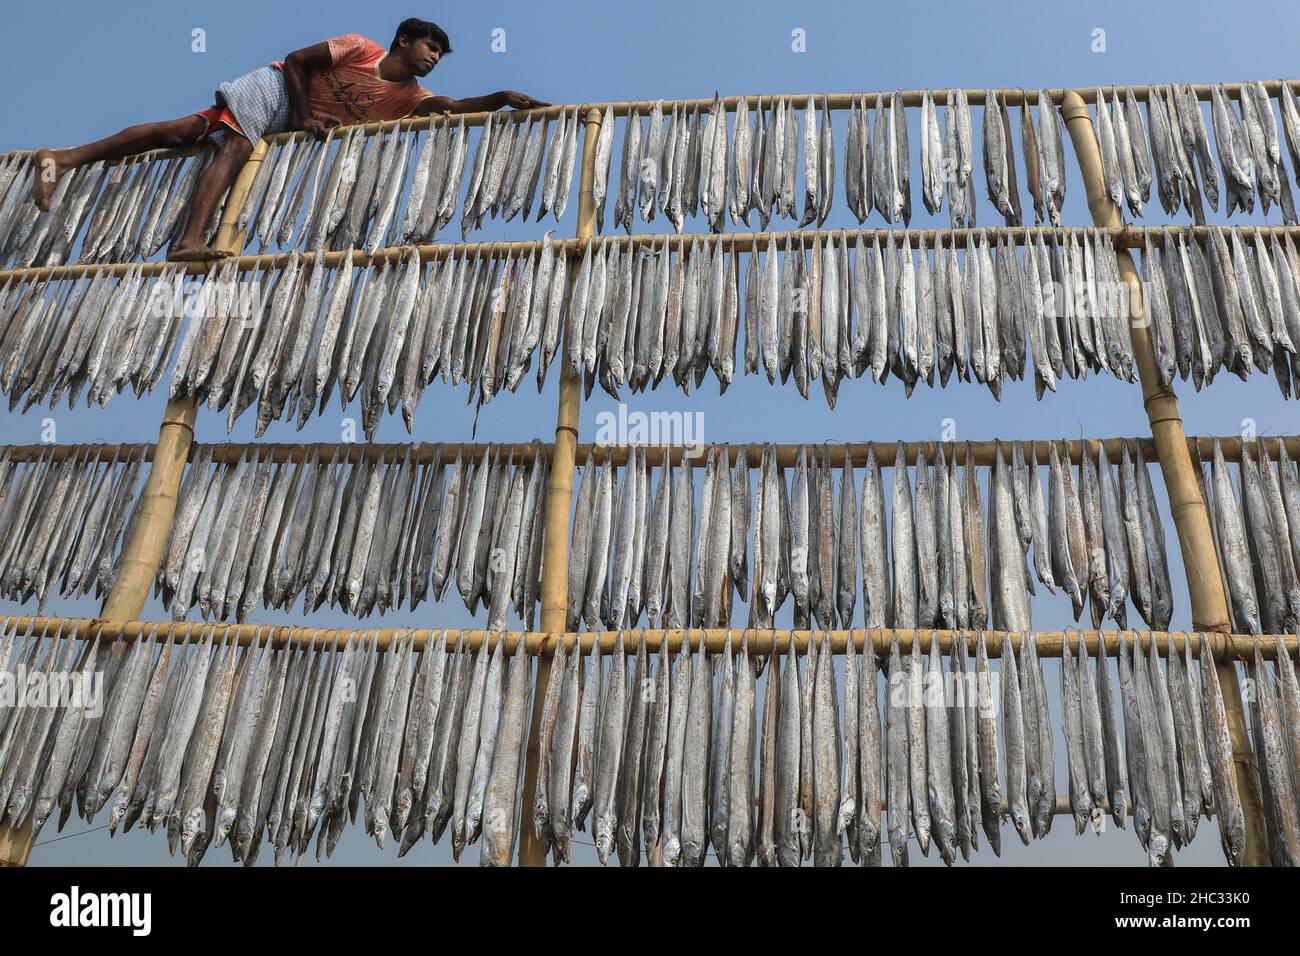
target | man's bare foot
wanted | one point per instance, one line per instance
(195, 254)
(48, 172)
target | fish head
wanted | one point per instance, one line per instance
(403, 809)
(868, 839)
(191, 826)
(737, 852)
(1158, 849)
(1098, 818)
(240, 839)
(1234, 844)
(561, 845)
(117, 812)
(946, 837)
(1020, 820)
(314, 810)
(225, 820)
(18, 802)
(898, 844)
(672, 850)
(40, 813)
(604, 835)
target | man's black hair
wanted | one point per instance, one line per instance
(413, 28)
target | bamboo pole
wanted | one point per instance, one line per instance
(1122, 237)
(143, 551)
(1014, 96)
(559, 502)
(1190, 514)
(787, 454)
(761, 642)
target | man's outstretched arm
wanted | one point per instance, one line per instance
(477, 104)
(297, 68)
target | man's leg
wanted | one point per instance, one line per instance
(169, 134)
(212, 185)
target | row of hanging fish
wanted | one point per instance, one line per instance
(356, 535)
(689, 758)
(121, 212)
(1172, 149)
(835, 306)
(1256, 526)
(63, 520)
(97, 333)
(678, 160)
(1220, 303)
(381, 331)
(216, 744)
(402, 187)
(639, 548)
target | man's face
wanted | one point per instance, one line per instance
(423, 54)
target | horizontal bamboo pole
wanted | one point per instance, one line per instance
(1122, 237)
(786, 453)
(149, 154)
(422, 453)
(234, 452)
(761, 642)
(278, 260)
(1013, 96)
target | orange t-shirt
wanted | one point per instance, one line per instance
(351, 89)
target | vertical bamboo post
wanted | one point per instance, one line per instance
(1191, 517)
(229, 237)
(559, 498)
(143, 552)
(158, 503)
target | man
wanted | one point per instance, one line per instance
(346, 80)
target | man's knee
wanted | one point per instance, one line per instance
(181, 132)
(236, 148)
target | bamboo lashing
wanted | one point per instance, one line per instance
(1191, 516)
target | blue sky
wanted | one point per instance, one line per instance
(87, 69)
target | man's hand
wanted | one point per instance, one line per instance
(477, 104)
(520, 101)
(319, 127)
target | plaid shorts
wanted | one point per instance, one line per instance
(257, 101)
